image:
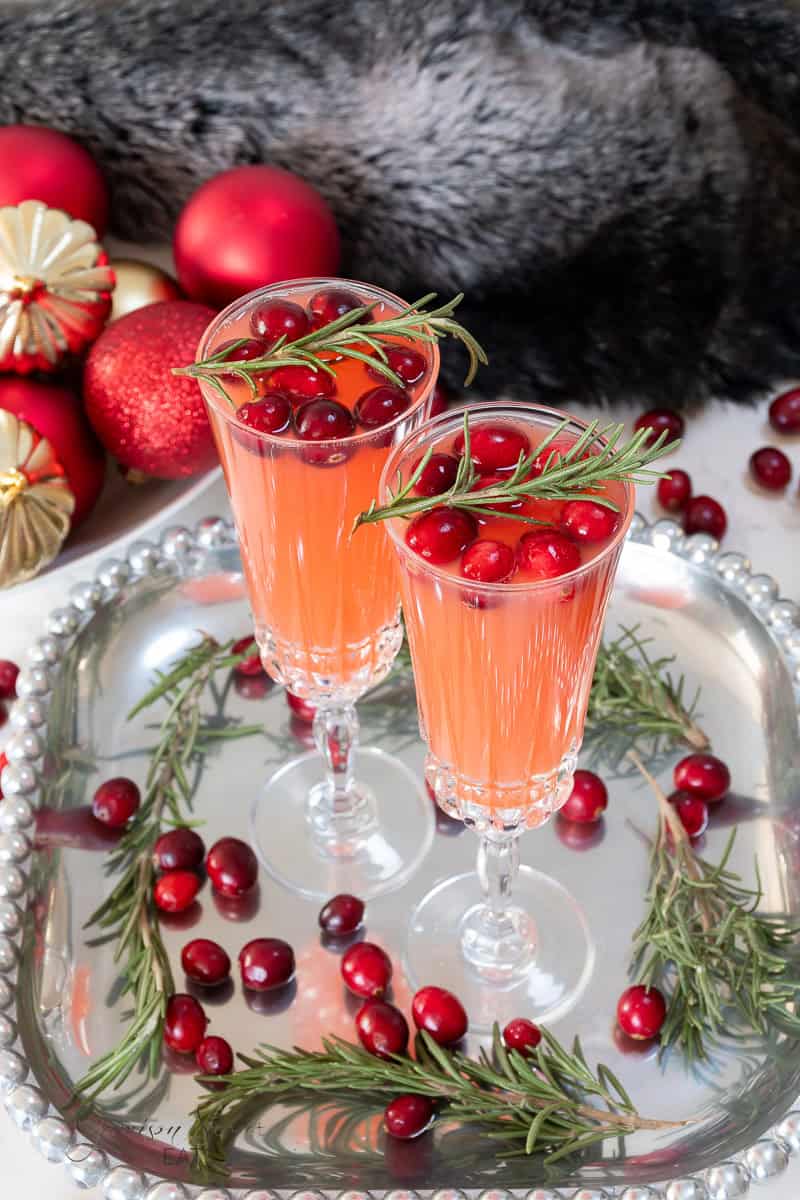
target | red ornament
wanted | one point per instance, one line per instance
(43, 164)
(249, 227)
(150, 420)
(641, 1012)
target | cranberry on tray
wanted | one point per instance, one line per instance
(179, 849)
(214, 1056)
(641, 1012)
(439, 1013)
(382, 1029)
(232, 867)
(408, 1116)
(588, 799)
(341, 915)
(185, 1024)
(366, 969)
(175, 891)
(658, 421)
(8, 679)
(205, 962)
(704, 514)
(674, 491)
(522, 1035)
(770, 468)
(116, 801)
(266, 963)
(703, 775)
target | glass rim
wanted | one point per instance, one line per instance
(242, 303)
(490, 408)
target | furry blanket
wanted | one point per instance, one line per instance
(615, 184)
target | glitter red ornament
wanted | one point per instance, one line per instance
(43, 164)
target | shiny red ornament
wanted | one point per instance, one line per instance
(150, 420)
(43, 164)
(249, 227)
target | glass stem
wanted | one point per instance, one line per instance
(340, 812)
(498, 864)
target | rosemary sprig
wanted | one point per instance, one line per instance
(352, 335)
(128, 914)
(705, 945)
(531, 1104)
(596, 457)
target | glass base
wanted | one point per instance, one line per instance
(538, 968)
(376, 847)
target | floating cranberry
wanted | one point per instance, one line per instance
(693, 812)
(522, 1035)
(232, 867)
(494, 447)
(175, 891)
(301, 383)
(546, 554)
(438, 475)
(321, 420)
(641, 1012)
(266, 963)
(486, 561)
(441, 534)
(252, 664)
(214, 1056)
(784, 412)
(271, 414)
(179, 849)
(771, 468)
(658, 421)
(115, 801)
(486, 483)
(408, 1116)
(302, 709)
(205, 962)
(440, 400)
(705, 515)
(8, 679)
(380, 405)
(588, 799)
(439, 1013)
(248, 351)
(587, 521)
(366, 969)
(703, 775)
(342, 914)
(674, 491)
(332, 303)
(551, 457)
(185, 1024)
(382, 1029)
(279, 318)
(408, 365)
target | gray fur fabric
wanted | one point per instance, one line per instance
(615, 184)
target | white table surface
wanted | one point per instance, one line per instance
(715, 452)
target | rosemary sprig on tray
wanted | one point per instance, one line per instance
(530, 1104)
(703, 943)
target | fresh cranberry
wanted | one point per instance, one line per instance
(441, 534)
(494, 447)
(439, 1013)
(588, 521)
(232, 867)
(301, 383)
(674, 491)
(440, 399)
(366, 969)
(522, 1035)
(705, 515)
(658, 421)
(3, 765)
(588, 799)
(486, 561)
(8, 679)
(342, 914)
(115, 801)
(175, 891)
(185, 1024)
(382, 1029)
(272, 414)
(302, 709)
(380, 405)
(266, 963)
(408, 365)
(179, 849)
(641, 1012)
(332, 303)
(408, 1116)
(249, 350)
(784, 412)
(321, 420)
(279, 318)
(693, 812)
(486, 483)
(546, 553)
(703, 775)
(252, 664)
(205, 962)
(438, 475)
(771, 468)
(252, 687)
(214, 1056)
(551, 457)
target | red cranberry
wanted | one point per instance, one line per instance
(115, 801)
(551, 457)
(332, 303)
(439, 1013)
(438, 475)
(3, 765)
(252, 687)
(441, 534)
(232, 867)
(279, 318)
(184, 1024)
(321, 420)
(487, 483)
(522, 1035)
(175, 891)
(266, 963)
(301, 383)
(252, 664)
(214, 1056)
(693, 812)
(588, 799)
(771, 468)
(546, 553)
(382, 1029)
(366, 969)
(440, 399)
(8, 679)
(705, 515)
(703, 775)
(249, 350)
(272, 414)
(205, 962)
(588, 521)
(408, 365)
(784, 412)
(380, 405)
(408, 1116)
(494, 447)
(486, 561)
(674, 491)
(300, 707)
(641, 1012)
(342, 914)
(658, 421)
(179, 849)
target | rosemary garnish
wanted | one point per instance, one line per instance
(531, 1104)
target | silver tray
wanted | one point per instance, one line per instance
(732, 635)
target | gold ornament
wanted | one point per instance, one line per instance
(36, 503)
(139, 283)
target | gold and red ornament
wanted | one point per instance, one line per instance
(43, 164)
(153, 423)
(55, 287)
(137, 284)
(249, 227)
